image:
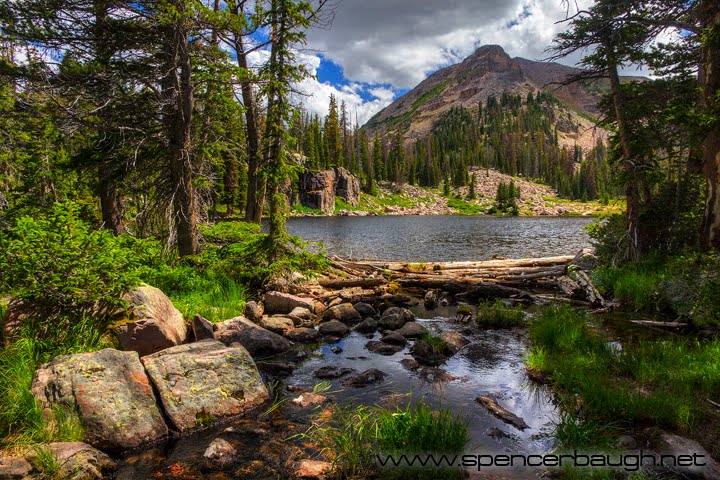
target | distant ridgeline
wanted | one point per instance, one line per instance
(489, 111)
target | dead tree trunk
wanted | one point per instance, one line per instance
(710, 81)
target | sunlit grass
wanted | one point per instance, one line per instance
(498, 314)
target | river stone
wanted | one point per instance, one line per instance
(455, 341)
(302, 335)
(320, 307)
(219, 453)
(369, 325)
(365, 310)
(309, 399)
(279, 325)
(383, 348)
(431, 299)
(331, 371)
(395, 317)
(675, 445)
(154, 324)
(254, 311)
(394, 338)
(369, 376)
(412, 330)
(334, 328)
(344, 312)
(77, 461)
(111, 393)
(279, 302)
(205, 380)
(303, 313)
(202, 328)
(257, 340)
(410, 363)
(426, 355)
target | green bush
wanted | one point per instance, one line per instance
(64, 270)
(498, 314)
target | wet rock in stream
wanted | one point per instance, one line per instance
(334, 328)
(344, 313)
(383, 348)
(369, 325)
(395, 318)
(330, 372)
(219, 453)
(394, 338)
(365, 310)
(368, 377)
(412, 330)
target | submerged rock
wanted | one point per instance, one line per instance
(383, 348)
(154, 324)
(111, 393)
(219, 453)
(331, 371)
(312, 470)
(257, 340)
(368, 377)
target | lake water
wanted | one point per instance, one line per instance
(444, 238)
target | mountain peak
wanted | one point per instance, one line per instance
(491, 49)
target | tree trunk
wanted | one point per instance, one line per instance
(178, 98)
(256, 185)
(710, 80)
(110, 201)
(631, 190)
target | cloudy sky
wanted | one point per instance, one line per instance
(376, 50)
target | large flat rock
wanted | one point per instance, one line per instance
(110, 391)
(204, 381)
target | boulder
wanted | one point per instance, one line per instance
(283, 303)
(302, 335)
(425, 354)
(219, 453)
(344, 313)
(365, 310)
(410, 363)
(317, 190)
(254, 311)
(15, 468)
(676, 446)
(454, 341)
(369, 376)
(153, 322)
(431, 299)
(320, 307)
(202, 328)
(412, 330)
(257, 340)
(334, 328)
(395, 318)
(111, 393)
(279, 325)
(347, 186)
(302, 313)
(369, 325)
(78, 461)
(204, 381)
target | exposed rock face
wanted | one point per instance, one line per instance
(154, 325)
(202, 328)
(317, 190)
(283, 303)
(110, 391)
(344, 313)
(347, 186)
(257, 340)
(79, 461)
(205, 380)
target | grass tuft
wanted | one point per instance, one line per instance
(498, 314)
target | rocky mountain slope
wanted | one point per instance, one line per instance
(491, 71)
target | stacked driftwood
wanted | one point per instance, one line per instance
(497, 278)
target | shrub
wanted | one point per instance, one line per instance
(65, 270)
(498, 314)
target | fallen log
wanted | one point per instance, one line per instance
(652, 323)
(485, 264)
(508, 417)
(339, 284)
(591, 293)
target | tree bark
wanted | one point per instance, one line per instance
(256, 185)
(710, 80)
(632, 195)
(178, 103)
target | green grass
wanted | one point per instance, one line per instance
(353, 435)
(300, 209)
(47, 463)
(437, 344)
(498, 314)
(662, 383)
(464, 207)
(217, 302)
(634, 284)
(22, 422)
